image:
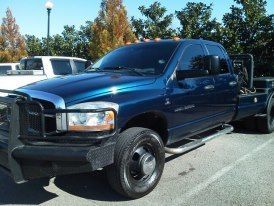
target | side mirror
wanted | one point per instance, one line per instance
(88, 64)
(184, 74)
(212, 64)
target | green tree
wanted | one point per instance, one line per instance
(33, 45)
(57, 45)
(249, 29)
(110, 29)
(157, 24)
(197, 22)
(85, 36)
(12, 42)
(71, 42)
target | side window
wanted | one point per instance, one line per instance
(34, 64)
(193, 58)
(216, 50)
(4, 69)
(61, 67)
(80, 65)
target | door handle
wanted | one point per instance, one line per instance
(209, 87)
(233, 83)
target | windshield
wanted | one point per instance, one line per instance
(31, 64)
(143, 58)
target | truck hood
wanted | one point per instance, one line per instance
(83, 86)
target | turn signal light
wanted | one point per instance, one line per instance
(157, 39)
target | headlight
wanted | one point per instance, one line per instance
(92, 121)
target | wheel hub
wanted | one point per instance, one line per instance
(147, 164)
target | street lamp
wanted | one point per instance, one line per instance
(49, 5)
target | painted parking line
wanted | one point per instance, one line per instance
(203, 185)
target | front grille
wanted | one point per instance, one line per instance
(31, 119)
(34, 119)
(5, 116)
(50, 118)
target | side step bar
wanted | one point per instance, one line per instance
(199, 142)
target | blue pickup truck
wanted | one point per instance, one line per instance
(127, 110)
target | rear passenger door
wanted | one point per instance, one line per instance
(225, 86)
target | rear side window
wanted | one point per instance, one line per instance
(4, 69)
(193, 58)
(80, 66)
(61, 67)
(216, 50)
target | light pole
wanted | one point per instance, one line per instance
(49, 5)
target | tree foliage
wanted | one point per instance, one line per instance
(71, 42)
(33, 45)
(12, 44)
(157, 24)
(110, 29)
(246, 28)
(249, 29)
(197, 22)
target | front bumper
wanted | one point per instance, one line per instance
(50, 161)
(45, 155)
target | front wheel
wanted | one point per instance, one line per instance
(138, 163)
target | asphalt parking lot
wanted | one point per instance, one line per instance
(235, 169)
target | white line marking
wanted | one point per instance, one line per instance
(188, 195)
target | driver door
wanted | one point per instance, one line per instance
(192, 98)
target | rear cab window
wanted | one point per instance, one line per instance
(61, 66)
(4, 69)
(31, 64)
(216, 50)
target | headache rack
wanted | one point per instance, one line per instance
(36, 119)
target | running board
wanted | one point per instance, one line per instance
(197, 143)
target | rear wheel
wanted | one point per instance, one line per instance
(266, 124)
(138, 163)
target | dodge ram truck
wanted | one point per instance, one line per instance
(124, 113)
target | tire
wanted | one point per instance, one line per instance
(250, 124)
(139, 160)
(266, 124)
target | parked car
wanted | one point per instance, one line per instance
(5, 67)
(39, 68)
(134, 105)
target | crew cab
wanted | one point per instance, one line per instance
(127, 110)
(37, 68)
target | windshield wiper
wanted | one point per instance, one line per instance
(124, 68)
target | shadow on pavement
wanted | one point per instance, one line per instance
(93, 186)
(31, 193)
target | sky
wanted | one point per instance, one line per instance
(31, 15)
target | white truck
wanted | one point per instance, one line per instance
(5, 67)
(39, 68)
